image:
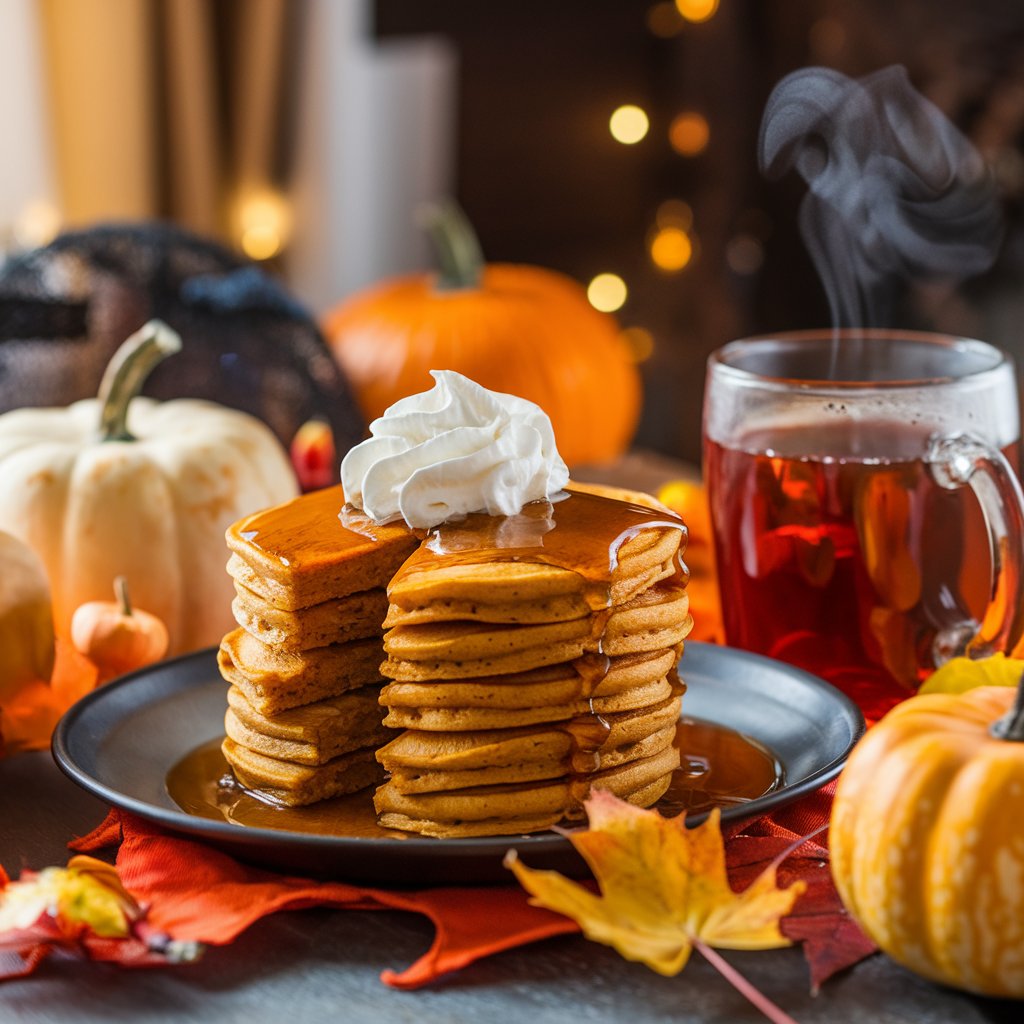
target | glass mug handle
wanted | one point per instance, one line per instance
(960, 460)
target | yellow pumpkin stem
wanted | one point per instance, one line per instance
(1011, 725)
(458, 249)
(127, 371)
(121, 592)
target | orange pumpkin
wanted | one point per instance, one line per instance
(517, 329)
(926, 837)
(116, 637)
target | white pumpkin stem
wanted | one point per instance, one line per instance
(1011, 725)
(121, 592)
(455, 243)
(127, 371)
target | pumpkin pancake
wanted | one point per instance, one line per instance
(654, 620)
(543, 687)
(311, 734)
(499, 809)
(454, 719)
(331, 622)
(517, 773)
(556, 608)
(430, 761)
(274, 680)
(643, 561)
(300, 554)
(295, 785)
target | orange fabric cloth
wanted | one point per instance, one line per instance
(28, 717)
(195, 892)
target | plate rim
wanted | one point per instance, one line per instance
(179, 820)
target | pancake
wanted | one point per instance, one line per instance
(448, 719)
(274, 680)
(429, 762)
(517, 773)
(643, 561)
(300, 554)
(555, 608)
(544, 687)
(296, 785)
(312, 734)
(656, 619)
(337, 621)
(499, 809)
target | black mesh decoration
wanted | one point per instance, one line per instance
(246, 342)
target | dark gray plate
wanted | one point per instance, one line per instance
(120, 741)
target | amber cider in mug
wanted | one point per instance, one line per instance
(864, 501)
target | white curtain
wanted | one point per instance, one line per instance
(372, 127)
(27, 180)
(374, 138)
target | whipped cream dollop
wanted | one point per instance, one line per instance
(454, 449)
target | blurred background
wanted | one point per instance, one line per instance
(613, 140)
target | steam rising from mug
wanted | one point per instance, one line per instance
(895, 190)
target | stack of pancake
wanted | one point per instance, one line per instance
(519, 684)
(303, 720)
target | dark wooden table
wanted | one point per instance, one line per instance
(319, 965)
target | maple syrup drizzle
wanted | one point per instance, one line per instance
(720, 768)
(588, 732)
(307, 532)
(580, 532)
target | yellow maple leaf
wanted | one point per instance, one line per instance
(85, 894)
(664, 888)
(959, 675)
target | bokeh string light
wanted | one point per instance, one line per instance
(670, 248)
(744, 254)
(640, 343)
(689, 133)
(264, 222)
(697, 10)
(674, 213)
(629, 124)
(664, 20)
(607, 292)
(671, 242)
(37, 224)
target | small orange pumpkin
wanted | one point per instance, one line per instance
(926, 837)
(116, 637)
(518, 329)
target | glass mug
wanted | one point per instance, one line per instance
(866, 511)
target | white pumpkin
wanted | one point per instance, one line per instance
(126, 486)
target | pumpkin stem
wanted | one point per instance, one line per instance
(455, 243)
(121, 592)
(126, 372)
(1011, 725)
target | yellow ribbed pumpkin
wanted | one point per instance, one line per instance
(26, 619)
(522, 330)
(927, 837)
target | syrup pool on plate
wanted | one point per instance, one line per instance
(720, 768)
